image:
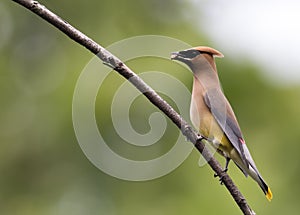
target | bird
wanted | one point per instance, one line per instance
(212, 114)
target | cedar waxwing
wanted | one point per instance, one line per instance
(211, 113)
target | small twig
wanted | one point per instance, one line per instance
(115, 63)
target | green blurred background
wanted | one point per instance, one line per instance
(44, 171)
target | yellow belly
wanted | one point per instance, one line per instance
(210, 129)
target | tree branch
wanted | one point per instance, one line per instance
(153, 97)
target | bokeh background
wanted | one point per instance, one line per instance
(44, 171)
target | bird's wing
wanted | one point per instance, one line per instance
(224, 115)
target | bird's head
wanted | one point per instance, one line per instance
(191, 56)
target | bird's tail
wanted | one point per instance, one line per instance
(254, 173)
(267, 191)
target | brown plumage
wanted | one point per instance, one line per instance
(212, 114)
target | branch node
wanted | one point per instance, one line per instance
(119, 66)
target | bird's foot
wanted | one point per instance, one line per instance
(224, 170)
(221, 176)
(200, 137)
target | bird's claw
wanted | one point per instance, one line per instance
(224, 170)
(201, 137)
(221, 180)
(221, 176)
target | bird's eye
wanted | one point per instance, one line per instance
(191, 53)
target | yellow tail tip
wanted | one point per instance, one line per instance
(269, 194)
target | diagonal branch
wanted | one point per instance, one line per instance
(153, 97)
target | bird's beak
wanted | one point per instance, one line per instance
(175, 56)
(179, 56)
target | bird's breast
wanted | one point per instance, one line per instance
(204, 121)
